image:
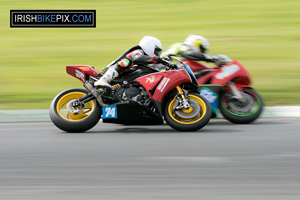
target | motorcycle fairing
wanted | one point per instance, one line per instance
(168, 80)
(231, 72)
(211, 93)
(80, 71)
(130, 113)
(132, 74)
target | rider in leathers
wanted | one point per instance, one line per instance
(147, 52)
(193, 48)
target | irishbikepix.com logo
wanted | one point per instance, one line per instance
(52, 18)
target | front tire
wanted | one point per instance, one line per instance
(192, 119)
(62, 116)
(241, 112)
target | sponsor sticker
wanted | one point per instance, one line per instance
(79, 75)
(227, 71)
(163, 84)
(151, 79)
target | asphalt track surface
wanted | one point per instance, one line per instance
(222, 161)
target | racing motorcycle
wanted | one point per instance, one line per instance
(145, 96)
(227, 88)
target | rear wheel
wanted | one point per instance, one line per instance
(241, 111)
(74, 119)
(191, 119)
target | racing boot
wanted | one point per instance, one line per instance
(107, 77)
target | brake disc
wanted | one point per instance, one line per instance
(189, 114)
(241, 106)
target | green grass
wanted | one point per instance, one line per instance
(264, 35)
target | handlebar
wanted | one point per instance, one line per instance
(224, 58)
(173, 65)
(177, 59)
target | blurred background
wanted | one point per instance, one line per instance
(264, 35)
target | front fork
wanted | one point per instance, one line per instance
(182, 97)
(236, 93)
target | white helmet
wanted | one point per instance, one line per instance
(151, 46)
(201, 43)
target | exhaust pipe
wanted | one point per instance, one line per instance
(94, 92)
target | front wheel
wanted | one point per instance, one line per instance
(241, 111)
(74, 119)
(191, 119)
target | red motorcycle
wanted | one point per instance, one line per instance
(145, 96)
(227, 88)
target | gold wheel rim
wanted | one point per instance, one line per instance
(186, 120)
(69, 116)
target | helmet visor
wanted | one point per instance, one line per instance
(157, 51)
(202, 48)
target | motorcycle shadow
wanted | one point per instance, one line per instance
(258, 122)
(136, 129)
(214, 126)
(154, 129)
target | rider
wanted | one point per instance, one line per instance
(147, 52)
(193, 48)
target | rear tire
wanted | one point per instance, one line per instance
(192, 119)
(241, 112)
(65, 120)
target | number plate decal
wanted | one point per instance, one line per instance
(109, 112)
(211, 96)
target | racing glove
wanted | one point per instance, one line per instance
(214, 59)
(165, 61)
(173, 66)
(218, 62)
